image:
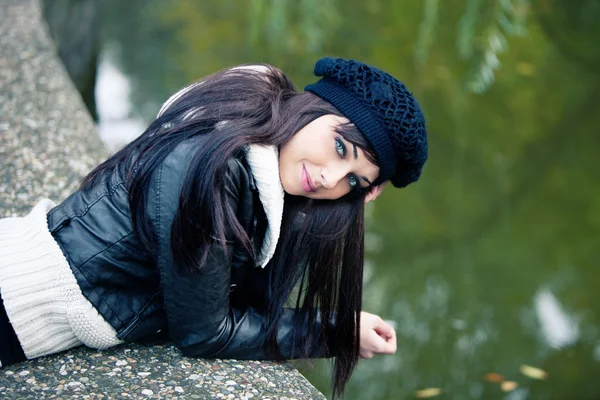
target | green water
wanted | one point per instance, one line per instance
(491, 260)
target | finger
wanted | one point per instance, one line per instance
(390, 348)
(383, 347)
(387, 342)
(389, 336)
(384, 329)
(392, 343)
(393, 336)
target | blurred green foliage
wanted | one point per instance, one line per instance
(509, 203)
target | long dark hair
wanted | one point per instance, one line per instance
(321, 250)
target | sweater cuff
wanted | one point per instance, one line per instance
(40, 293)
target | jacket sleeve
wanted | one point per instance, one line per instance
(200, 318)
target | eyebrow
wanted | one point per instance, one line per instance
(355, 157)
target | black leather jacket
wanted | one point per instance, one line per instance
(216, 313)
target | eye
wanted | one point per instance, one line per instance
(353, 180)
(340, 147)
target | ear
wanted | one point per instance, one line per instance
(374, 192)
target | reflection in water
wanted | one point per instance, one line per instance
(597, 352)
(115, 124)
(518, 394)
(508, 202)
(558, 328)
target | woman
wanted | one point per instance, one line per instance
(242, 194)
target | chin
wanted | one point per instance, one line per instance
(287, 189)
(295, 191)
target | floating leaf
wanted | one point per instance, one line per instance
(508, 386)
(493, 377)
(533, 372)
(428, 393)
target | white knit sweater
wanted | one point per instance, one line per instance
(43, 301)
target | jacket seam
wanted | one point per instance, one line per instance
(133, 322)
(104, 249)
(157, 209)
(159, 259)
(102, 193)
(94, 289)
(94, 202)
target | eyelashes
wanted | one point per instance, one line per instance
(340, 147)
(342, 151)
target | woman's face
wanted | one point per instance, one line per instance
(318, 163)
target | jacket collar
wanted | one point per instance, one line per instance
(264, 165)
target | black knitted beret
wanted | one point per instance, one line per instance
(383, 109)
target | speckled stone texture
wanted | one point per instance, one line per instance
(47, 138)
(47, 143)
(155, 372)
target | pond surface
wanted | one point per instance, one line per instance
(489, 262)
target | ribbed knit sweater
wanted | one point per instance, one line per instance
(43, 301)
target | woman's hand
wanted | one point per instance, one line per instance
(376, 336)
(374, 192)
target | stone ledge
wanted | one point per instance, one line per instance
(151, 372)
(47, 138)
(47, 143)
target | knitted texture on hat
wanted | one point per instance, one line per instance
(383, 109)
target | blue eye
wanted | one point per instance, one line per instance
(340, 148)
(353, 180)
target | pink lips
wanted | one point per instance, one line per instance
(307, 184)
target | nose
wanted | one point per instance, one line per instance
(331, 175)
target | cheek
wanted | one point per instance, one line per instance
(334, 194)
(287, 156)
(320, 153)
(292, 152)
(285, 171)
(341, 191)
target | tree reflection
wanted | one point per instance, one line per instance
(508, 203)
